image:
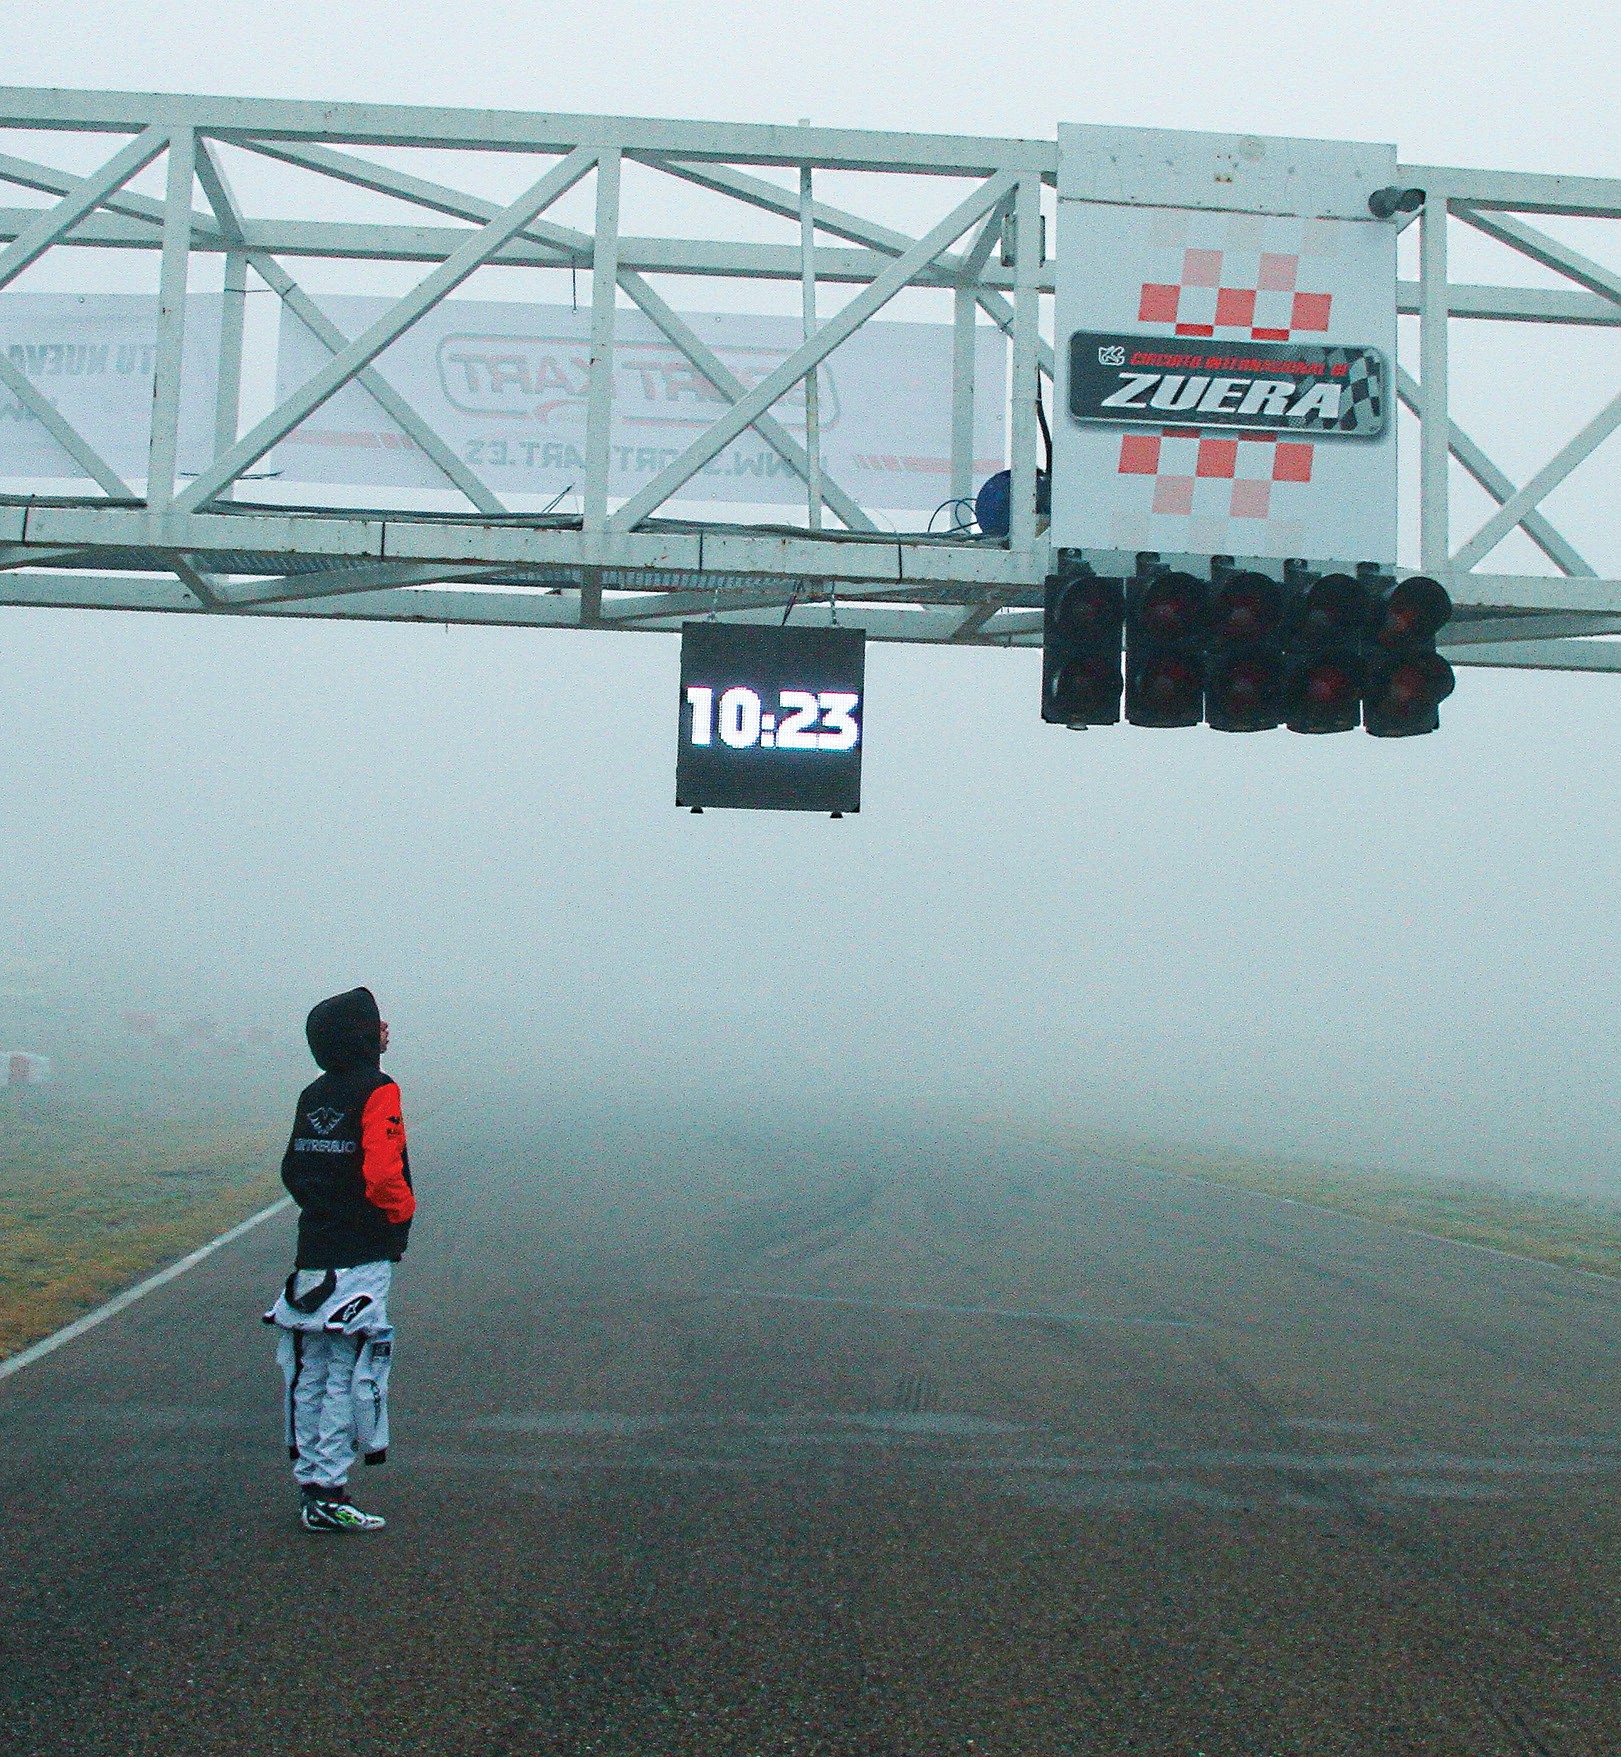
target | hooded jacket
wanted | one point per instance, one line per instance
(346, 1164)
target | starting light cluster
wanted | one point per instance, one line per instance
(1242, 652)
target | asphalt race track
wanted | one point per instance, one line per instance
(737, 1436)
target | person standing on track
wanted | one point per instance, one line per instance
(347, 1168)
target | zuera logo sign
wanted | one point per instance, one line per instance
(1288, 387)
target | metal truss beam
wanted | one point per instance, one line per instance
(523, 131)
(188, 547)
(1543, 656)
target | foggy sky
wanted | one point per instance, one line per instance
(1402, 951)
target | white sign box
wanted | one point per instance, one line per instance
(1225, 369)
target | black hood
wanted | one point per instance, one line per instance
(344, 1031)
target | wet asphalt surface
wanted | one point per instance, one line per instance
(744, 1435)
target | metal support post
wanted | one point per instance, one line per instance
(1434, 519)
(964, 355)
(228, 389)
(1026, 383)
(164, 445)
(965, 314)
(599, 394)
(807, 296)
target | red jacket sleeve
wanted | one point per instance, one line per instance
(382, 1155)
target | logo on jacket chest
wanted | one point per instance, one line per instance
(325, 1120)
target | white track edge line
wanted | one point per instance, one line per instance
(14, 1363)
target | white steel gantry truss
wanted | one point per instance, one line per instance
(198, 544)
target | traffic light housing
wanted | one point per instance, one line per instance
(1081, 646)
(1325, 625)
(1407, 680)
(1243, 651)
(1166, 620)
(1244, 660)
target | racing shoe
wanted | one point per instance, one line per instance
(335, 1515)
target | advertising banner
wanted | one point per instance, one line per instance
(93, 355)
(505, 385)
(1226, 347)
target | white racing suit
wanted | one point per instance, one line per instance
(334, 1347)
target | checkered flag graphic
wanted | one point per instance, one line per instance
(1363, 406)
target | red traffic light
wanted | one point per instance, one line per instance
(1165, 689)
(1327, 611)
(1404, 694)
(1170, 607)
(1244, 691)
(1080, 647)
(1089, 609)
(1324, 694)
(1412, 611)
(1085, 691)
(1245, 607)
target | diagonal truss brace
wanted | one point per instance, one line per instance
(66, 435)
(360, 353)
(1533, 242)
(1496, 484)
(730, 386)
(87, 192)
(1549, 253)
(812, 352)
(574, 247)
(840, 224)
(1513, 510)
(327, 333)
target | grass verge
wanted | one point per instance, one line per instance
(92, 1199)
(1575, 1231)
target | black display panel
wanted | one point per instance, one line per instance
(1274, 387)
(770, 718)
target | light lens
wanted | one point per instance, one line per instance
(1245, 607)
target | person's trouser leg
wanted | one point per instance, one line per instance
(369, 1393)
(323, 1410)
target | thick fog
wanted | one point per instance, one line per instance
(1342, 945)
(1392, 952)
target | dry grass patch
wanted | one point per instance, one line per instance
(91, 1199)
(1576, 1231)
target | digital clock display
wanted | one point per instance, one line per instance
(770, 718)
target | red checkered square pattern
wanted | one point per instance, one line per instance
(1200, 304)
(1236, 459)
